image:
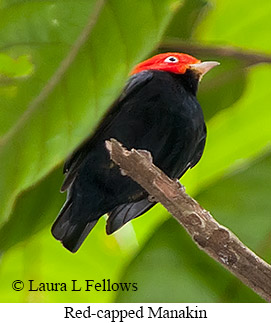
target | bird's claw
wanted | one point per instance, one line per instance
(179, 184)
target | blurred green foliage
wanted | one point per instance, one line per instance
(232, 179)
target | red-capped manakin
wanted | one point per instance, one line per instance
(157, 111)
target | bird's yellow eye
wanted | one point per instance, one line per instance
(171, 59)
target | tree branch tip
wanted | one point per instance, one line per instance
(114, 144)
(108, 145)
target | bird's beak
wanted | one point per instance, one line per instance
(203, 68)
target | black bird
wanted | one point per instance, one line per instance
(157, 111)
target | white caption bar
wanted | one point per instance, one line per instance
(126, 312)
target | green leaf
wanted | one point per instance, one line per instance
(35, 208)
(13, 68)
(245, 24)
(230, 77)
(170, 267)
(186, 19)
(41, 127)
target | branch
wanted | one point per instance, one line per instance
(217, 241)
(248, 56)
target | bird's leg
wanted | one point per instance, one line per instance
(179, 184)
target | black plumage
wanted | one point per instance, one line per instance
(157, 111)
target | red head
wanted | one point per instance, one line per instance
(176, 63)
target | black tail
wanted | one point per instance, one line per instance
(125, 213)
(70, 232)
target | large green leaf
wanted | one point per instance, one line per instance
(245, 24)
(186, 19)
(36, 208)
(39, 133)
(170, 268)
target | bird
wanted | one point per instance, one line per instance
(157, 111)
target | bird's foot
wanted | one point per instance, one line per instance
(179, 184)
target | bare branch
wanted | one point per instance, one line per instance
(247, 56)
(217, 241)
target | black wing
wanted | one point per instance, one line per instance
(73, 163)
